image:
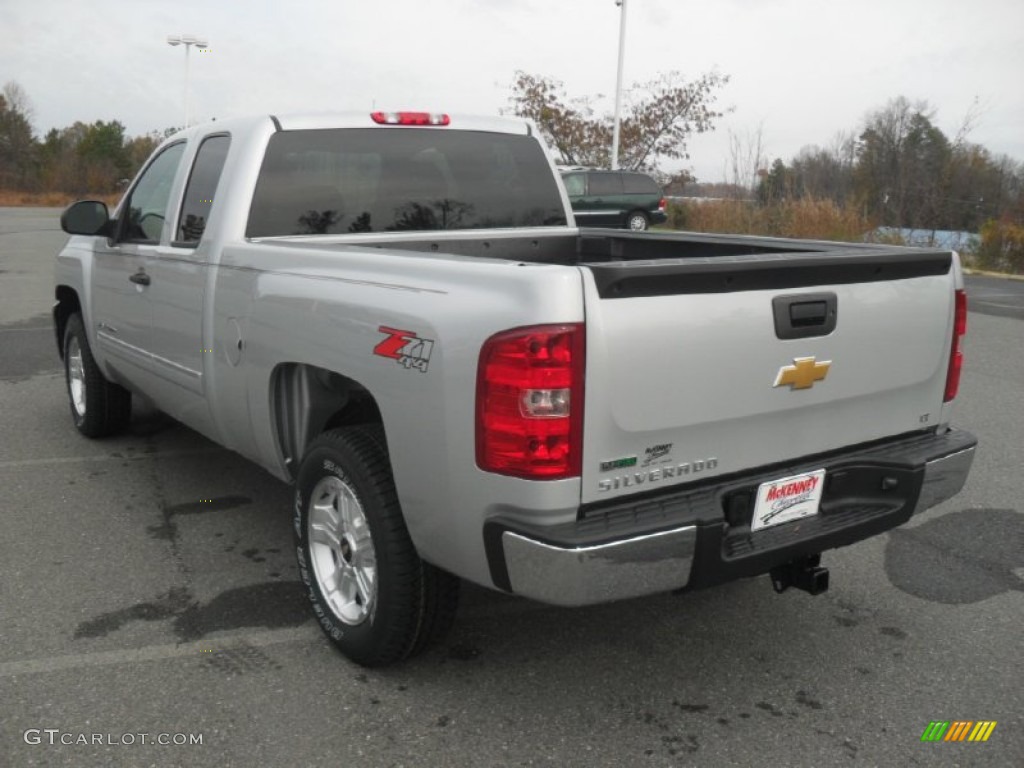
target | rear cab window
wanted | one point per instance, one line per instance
(201, 190)
(338, 181)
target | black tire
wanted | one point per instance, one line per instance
(98, 407)
(411, 603)
(637, 221)
(441, 603)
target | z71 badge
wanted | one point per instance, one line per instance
(406, 348)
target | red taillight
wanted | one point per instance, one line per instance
(529, 402)
(661, 205)
(410, 118)
(956, 354)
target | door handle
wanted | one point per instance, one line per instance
(140, 278)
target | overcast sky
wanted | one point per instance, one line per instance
(802, 70)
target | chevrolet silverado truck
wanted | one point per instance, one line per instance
(396, 313)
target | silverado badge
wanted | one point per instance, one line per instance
(802, 373)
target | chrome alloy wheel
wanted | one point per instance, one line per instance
(637, 222)
(76, 376)
(341, 550)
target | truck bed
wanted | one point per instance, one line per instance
(669, 250)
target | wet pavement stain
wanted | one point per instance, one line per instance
(689, 707)
(270, 605)
(803, 698)
(169, 604)
(961, 557)
(253, 554)
(771, 708)
(167, 529)
(218, 504)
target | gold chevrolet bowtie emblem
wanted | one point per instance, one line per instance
(802, 373)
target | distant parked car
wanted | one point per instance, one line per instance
(614, 198)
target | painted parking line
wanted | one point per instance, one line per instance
(17, 463)
(997, 304)
(305, 633)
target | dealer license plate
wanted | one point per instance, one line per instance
(787, 499)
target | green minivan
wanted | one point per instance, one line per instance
(614, 198)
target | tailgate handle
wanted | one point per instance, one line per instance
(803, 315)
(808, 313)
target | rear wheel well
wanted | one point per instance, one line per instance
(67, 305)
(308, 400)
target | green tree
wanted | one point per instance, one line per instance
(778, 184)
(826, 173)
(61, 166)
(104, 156)
(902, 159)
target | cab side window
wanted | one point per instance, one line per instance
(201, 189)
(147, 205)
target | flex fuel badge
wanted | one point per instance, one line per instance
(405, 348)
(626, 461)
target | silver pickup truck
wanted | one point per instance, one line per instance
(395, 313)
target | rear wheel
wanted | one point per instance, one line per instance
(98, 407)
(637, 221)
(373, 596)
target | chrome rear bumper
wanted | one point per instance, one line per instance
(657, 562)
(943, 478)
(601, 559)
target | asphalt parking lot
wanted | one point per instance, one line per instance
(148, 586)
(996, 296)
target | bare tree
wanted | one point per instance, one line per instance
(662, 117)
(18, 101)
(17, 144)
(747, 158)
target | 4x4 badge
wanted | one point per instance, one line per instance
(802, 373)
(406, 348)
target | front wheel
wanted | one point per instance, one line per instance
(371, 593)
(98, 407)
(637, 221)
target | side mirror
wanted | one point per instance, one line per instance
(86, 217)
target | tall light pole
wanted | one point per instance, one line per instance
(618, 83)
(188, 41)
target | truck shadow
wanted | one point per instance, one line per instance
(962, 557)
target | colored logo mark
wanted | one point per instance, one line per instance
(405, 347)
(803, 373)
(958, 730)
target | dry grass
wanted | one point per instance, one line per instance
(9, 197)
(808, 219)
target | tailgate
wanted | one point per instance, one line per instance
(704, 367)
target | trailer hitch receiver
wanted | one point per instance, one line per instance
(804, 573)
